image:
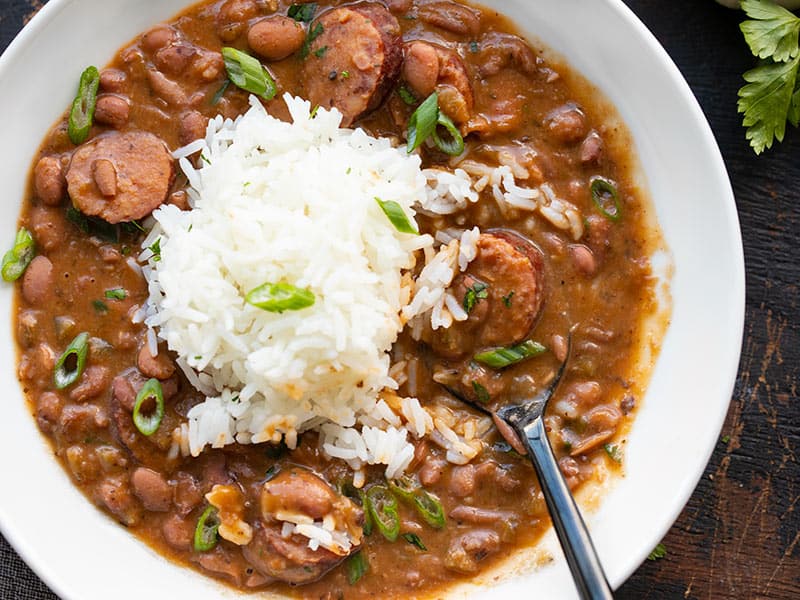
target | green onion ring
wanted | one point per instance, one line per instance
(149, 424)
(382, 506)
(499, 358)
(16, 260)
(205, 533)
(606, 197)
(79, 347)
(357, 566)
(425, 503)
(453, 146)
(397, 216)
(422, 123)
(278, 297)
(248, 73)
(81, 115)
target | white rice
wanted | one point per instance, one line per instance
(295, 202)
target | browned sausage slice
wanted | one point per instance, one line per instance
(354, 60)
(143, 168)
(510, 267)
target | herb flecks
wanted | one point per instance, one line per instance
(613, 451)
(155, 248)
(414, 540)
(507, 299)
(481, 392)
(478, 291)
(313, 33)
(302, 12)
(770, 97)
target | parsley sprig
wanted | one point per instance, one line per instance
(771, 95)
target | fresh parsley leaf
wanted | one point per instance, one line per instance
(313, 33)
(100, 306)
(772, 31)
(766, 101)
(660, 551)
(302, 12)
(155, 248)
(507, 299)
(356, 566)
(481, 392)
(320, 52)
(413, 539)
(406, 95)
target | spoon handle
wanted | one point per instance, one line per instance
(570, 528)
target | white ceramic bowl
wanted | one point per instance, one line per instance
(82, 554)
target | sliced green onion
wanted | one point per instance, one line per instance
(357, 566)
(16, 260)
(369, 524)
(116, 294)
(278, 297)
(205, 533)
(64, 374)
(500, 358)
(382, 506)
(248, 73)
(605, 196)
(425, 503)
(397, 216)
(429, 508)
(82, 113)
(406, 95)
(422, 123)
(454, 145)
(302, 12)
(613, 452)
(481, 392)
(148, 424)
(414, 540)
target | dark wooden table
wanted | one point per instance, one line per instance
(739, 536)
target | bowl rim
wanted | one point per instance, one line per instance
(49, 573)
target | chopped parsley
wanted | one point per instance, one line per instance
(100, 306)
(345, 74)
(660, 551)
(313, 34)
(204, 159)
(302, 12)
(155, 248)
(770, 96)
(116, 294)
(220, 92)
(507, 299)
(481, 392)
(725, 439)
(473, 46)
(125, 250)
(320, 52)
(613, 452)
(413, 539)
(479, 291)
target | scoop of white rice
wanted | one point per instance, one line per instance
(295, 203)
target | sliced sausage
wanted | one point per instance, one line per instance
(297, 491)
(38, 280)
(276, 37)
(289, 560)
(354, 61)
(508, 271)
(143, 170)
(497, 50)
(450, 16)
(48, 180)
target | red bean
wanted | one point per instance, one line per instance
(152, 489)
(276, 37)
(38, 280)
(583, 258)
(48, 180)
(421, 68)
(112, 110)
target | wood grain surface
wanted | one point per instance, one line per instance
(739, 536)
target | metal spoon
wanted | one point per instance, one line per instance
(527, 420)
